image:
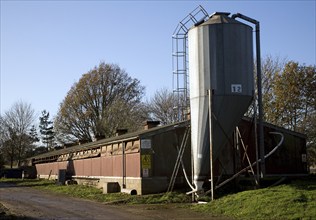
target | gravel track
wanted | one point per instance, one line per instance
(30, 203)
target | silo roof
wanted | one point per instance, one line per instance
(221, 18)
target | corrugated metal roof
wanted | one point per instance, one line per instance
(138, 135)
(124, 137)
(280, 129)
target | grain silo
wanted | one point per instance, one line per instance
(221, 82)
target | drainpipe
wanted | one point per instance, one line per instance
(123, 166)
(259, 87)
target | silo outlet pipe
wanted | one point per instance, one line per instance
(259, 87)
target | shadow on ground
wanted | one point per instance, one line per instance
(6, 215)
(11, 184)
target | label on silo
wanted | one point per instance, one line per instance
(236, 88)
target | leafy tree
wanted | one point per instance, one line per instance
(15, 125)
(271, 66)
(46, 129)
(294, 90)
(290, 101)
(288, 91)
(105, 98)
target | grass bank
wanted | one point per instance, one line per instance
(296, 200)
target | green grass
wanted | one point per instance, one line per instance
(292, 201)
(92, 193)
(296, 200)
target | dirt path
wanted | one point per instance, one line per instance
(35, 204)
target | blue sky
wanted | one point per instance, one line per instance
(47, 45)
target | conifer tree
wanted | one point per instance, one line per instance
(46, 129)
(33, 134)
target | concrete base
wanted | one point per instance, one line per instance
(130, 182)
(49, 177)
(129, 191)
(111, 187)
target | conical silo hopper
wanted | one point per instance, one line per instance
(220, 61)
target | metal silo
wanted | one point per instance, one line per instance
(220, 61)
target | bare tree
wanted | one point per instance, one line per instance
(104, 99)
(270, 67)
(161, 106)
(15, 126)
